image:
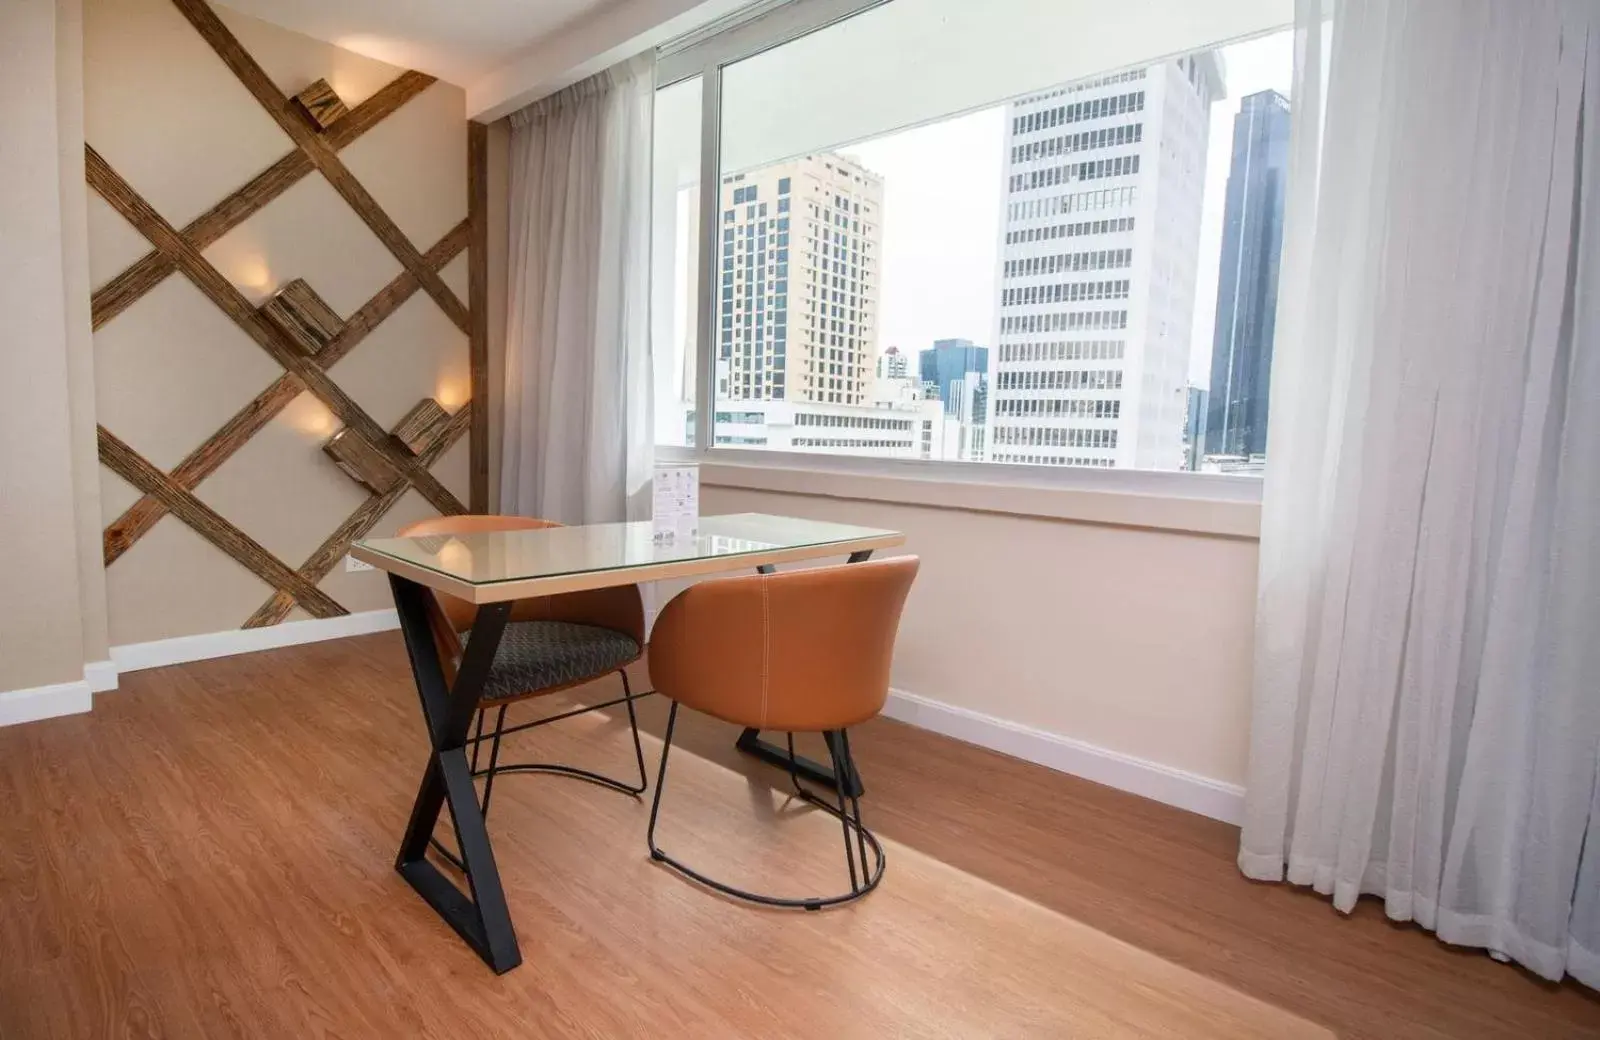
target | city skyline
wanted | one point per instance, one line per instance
(1111, 317)
(942, 234)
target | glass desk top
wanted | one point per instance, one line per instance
(490, 566)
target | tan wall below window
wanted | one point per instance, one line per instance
(1132, 640)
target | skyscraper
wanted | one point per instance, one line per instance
(947, 363)
(1105, 180)
(1247, 285)
(892, 364)
(801, 246)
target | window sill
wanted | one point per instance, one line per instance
(1222, 506)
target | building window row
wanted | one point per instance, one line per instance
(836, 442)
(1061, 379)
(1055, 437)
(1064, 321)
(1063, 350)
(1087, 84)
(1082, 141)
(1098, 108)
(1053, 460)
(852, 422)
(743, 442)
(1089, 170)
(1077, 202)
(1088, 260)
(1059, 408)
(1065, 292)
(1082, 227)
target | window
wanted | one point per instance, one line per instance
(1077, 268)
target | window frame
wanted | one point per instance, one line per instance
(1210, 503)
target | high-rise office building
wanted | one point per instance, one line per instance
(801, 249)
(947, 364)
(1099, 255)
(1247, 285)
(892, 364)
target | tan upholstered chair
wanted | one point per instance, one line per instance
(550, 643)
(801, 651)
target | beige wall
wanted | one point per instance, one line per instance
(1132, 640)
(172, 369)
(41, 620)
(80, 341)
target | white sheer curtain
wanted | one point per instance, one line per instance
(1427, 695)
(577, 428)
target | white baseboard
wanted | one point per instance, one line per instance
(44, 702)
(1185, 790)
(160, 652)
(100, 675)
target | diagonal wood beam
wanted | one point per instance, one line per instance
(151, 269)
(220, 446)
(390, 297)
(321, 154)
(210, 525)
(110, 185)
(356, 525)
(140, 517)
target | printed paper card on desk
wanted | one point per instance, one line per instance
(676, 512)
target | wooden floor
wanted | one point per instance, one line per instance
(208, 855)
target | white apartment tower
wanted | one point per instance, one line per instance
(798, 304)
(1098, 257)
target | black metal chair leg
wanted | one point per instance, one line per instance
(661, 784)
(836, 753)
(859, 886)
(575, 772)
(477, 740)
(633, 724)
(494, 757)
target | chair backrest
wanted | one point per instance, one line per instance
(803, 651)
(619, 608)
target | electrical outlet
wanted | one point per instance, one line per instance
(353, 564)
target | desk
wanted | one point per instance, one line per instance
(495, 568)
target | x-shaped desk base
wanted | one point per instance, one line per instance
(478, 915)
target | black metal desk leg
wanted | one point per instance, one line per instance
(479, 917)
(750, 741)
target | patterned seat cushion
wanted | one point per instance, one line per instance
(537, 655)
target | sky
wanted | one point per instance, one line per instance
(942, 213)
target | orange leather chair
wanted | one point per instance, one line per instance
(802, 651)
(550, 643)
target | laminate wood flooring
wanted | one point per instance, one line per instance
(208, 854)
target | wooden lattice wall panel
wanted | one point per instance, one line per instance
(301, 335)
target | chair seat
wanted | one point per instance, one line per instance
(535, 656)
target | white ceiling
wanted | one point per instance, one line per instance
(458, 41)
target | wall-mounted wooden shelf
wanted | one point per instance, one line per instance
(320, 104)
(363, 463)
(299, 312)
(422, 425)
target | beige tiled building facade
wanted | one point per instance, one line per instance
(799, 265)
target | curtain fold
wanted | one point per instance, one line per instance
(1427, 686)
(577, 428)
